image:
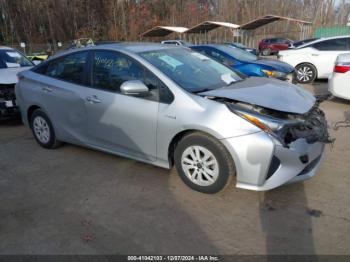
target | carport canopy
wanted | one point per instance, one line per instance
(264, 20)
(210, 25)
(161, 31)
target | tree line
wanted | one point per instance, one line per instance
(49, 21)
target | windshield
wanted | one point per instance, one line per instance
(10, 58)
(192, 71)
(237, 53)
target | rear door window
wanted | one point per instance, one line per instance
(348, 43)
(339, 44)
(286, 41)
(70, 68)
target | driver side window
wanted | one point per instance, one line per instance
(111, 69)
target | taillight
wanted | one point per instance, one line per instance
(341, 68)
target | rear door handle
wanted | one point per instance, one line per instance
(47, 89)
(93, 99)
(315, 54)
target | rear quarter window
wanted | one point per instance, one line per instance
(70, 68)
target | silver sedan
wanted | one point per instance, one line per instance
(168, 105)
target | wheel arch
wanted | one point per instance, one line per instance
(177, 138)
(174, 141)
(30, 111)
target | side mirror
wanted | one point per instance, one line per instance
(134, 88)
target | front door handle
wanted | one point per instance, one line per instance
(47, 89)
(315, 54)
(93, 99)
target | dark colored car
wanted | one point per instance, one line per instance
(243, 47)
(247, 63)
(270, 46)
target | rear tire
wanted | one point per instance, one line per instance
(306, 73)
(43, 130)
(203, 163)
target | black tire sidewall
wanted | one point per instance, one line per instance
(224, 170)
(267, 50)
(52, 139)
(312, 68)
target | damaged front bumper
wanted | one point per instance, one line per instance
(291, 153)
(8, 104)
(263, 164)
(311, 126)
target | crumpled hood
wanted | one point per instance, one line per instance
(276, 65)
(268, 93)
(9, 75)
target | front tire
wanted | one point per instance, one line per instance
(306, 73)
(203, 163)
(266, 52)
(43, 130)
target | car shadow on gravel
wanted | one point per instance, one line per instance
(281, 214)
(320, 87)
(83, 201)
(340, 101)
(11, 122)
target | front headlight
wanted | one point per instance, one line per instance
(274, 74)
(268, 125)
(272, 126)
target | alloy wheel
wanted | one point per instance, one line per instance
(41, 129)
(200, 165)
(305, 74)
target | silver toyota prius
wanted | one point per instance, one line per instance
(168, 105)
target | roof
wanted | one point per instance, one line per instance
(5, 47)
(137, 47)
(210, 25)
(320, 40)
(159, 31)
(131, 47)
(264, 20)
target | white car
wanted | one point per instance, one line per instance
(11, 63)
(340, 79)
(316, 59)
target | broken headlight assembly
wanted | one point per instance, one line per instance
(285, 127)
